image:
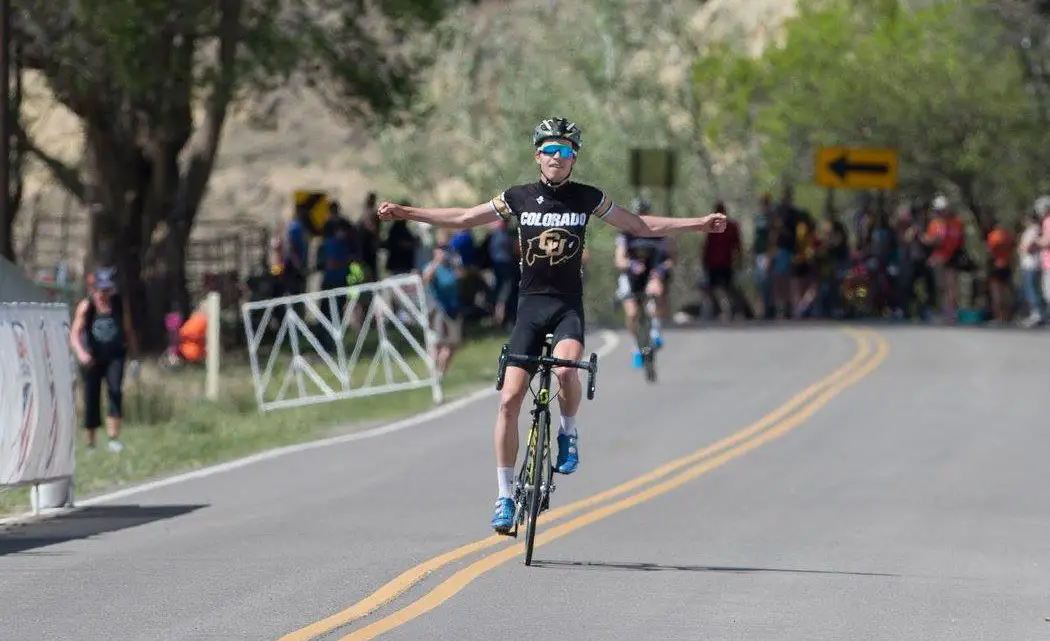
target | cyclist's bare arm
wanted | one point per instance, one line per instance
(650, 226)
(449, 217)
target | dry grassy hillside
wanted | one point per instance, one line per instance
(288, 140)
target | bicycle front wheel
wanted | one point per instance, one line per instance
(536, 496)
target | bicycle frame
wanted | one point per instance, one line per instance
(642, 338)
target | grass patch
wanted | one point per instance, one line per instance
(171, 428)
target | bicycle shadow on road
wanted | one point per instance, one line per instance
(656, 567)
(83, 523)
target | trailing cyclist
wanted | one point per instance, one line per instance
(645, 265)
(552, 215)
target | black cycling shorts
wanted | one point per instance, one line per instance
(542, 314)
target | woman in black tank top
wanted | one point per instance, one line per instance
(99, 337)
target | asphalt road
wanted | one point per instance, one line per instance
(906, 497)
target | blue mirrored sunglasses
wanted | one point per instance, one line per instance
(564, 151)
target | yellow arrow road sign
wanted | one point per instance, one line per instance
(856, 168)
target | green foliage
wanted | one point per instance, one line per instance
(153, 81)
(497, 74)
(934, 83)
(132, 50)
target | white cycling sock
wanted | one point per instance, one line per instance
(505, 476)
(655, 324)
(568, 425)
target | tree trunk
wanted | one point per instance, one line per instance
(174, 251)
(124, 209)
(169, 231)
(15, 163)
(7, 229)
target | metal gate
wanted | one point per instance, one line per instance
(341, 343)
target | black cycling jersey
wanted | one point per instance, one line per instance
(552, 223)
(651, 251)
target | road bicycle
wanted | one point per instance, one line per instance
(535, 480)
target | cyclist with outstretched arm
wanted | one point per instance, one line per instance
(552, 215)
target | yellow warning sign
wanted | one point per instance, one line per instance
(856, 168)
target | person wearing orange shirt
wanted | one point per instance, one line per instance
(193, 336)
(946, 237)
(1000, 275)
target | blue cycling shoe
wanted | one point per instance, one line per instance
(568, 454)
(636, 359)
(503, 518)
(658, 340)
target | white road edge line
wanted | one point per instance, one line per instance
(610, 342)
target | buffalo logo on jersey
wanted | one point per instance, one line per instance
(557, 245)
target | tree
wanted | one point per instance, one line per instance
(934, 83)
(1028, 33)
(16, 160)
(152, 82)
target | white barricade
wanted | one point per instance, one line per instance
(38, 414)
(318, 341)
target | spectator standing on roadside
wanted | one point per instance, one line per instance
(805, 284)
(501, 255)
(1000, 275)
(368, 238)
(914, 263)
(442, 276)
(946, 235)
(400, 245)
(786, 291)
(720, 256)
(1028, 262)
(833, 264)
(333, 258)
(296, 248)
(763, 250)
(1043, 243)
(100, 336)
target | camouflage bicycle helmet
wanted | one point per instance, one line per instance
(552, 128)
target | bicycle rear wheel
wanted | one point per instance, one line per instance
(539, 461)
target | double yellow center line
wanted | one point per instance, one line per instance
(872, 349)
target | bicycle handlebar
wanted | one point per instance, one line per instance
(519, 359)
(590, 365)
